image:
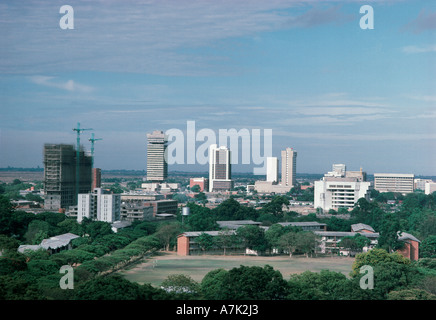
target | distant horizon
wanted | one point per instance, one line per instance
(204, 172)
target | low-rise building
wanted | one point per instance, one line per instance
(306, 225)
(410, 249)
(136, 212)
(430, 187)
(271, 187)
(162, 206)
(161, 187)
(328, 241)
(187, 244)
(202, 182)
(52, 245)
(394, 182)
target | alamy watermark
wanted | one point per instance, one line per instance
(251, 149)
(367, 280)
(67, 20)
(67, 281)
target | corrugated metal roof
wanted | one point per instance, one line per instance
(345, 234)
(303, 224)
(361, 226)
(198, 233)
(58, 241)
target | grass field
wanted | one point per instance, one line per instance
(157, 268)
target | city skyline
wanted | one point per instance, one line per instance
(326, 87)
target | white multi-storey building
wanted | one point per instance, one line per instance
(99, 205)
(394, 182)
(272, 169)
(340, 190)
(289, 167)
(430, 187)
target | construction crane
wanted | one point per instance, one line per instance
(92, 147)
(78, 130)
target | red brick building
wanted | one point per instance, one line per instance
(203, 183)
(411, 246)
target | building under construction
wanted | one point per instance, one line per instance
(60, 163)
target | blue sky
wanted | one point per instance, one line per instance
(305, 69)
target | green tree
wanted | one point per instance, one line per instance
(37, 231)
(195, 188)
(112, 241)
(288, 242)
(205, 241)
(247, 283)
(428, 247)
(11, 262)
(201, 197)
(355, 243)
(226, 239)
(374, 257)
(273, 234)
(13, 223)
(253, 237)
(108, 288)
(34, 197)
(231, 209)
(96, 229)
(40, 268)
(200, 218)
(167, 234)
(389, 227)
(181, 285)
(8, 243)
(411, 294)
(306, 242)
(212, 285)
(391, 271)
(325, 285)
(70, 225)
(275, 206)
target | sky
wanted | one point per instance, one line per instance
(306, 70)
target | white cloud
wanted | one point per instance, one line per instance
(154, 37)
(419, 49)
(53, 82)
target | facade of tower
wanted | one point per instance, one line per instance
(289, 167)
(272, 169)
(60, 175)
(220, 172)
(157, 166)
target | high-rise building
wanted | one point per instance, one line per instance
(272, 169)
(219, 169)
(157, 166)
(96, 178)
(60, 175)
(289, 167)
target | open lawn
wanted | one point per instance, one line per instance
(157, 268)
